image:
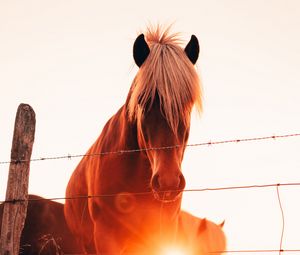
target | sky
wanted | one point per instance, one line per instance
(72, 62)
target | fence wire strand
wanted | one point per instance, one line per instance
(210, 143)
(255, 186)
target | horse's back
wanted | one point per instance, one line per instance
(45, 230)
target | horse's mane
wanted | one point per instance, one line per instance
(168, 73)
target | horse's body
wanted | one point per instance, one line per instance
(45, 229)
(156, 114)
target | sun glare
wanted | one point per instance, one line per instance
(173, 251)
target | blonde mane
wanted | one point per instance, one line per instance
(168, 72)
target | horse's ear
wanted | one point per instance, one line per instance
(202, 226)
(222, 224)
(192, 49)
(141, 50)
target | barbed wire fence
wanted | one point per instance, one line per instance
(209, 143)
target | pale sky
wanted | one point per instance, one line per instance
(72, 62)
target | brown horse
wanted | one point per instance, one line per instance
(156, 115)
(200, 236)
(45, 230)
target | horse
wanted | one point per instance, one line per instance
(200, 236)
(45, 229)
(147, 137)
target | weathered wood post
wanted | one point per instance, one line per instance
(14, 212)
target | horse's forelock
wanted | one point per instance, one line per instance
(161, 35)
(169, 73)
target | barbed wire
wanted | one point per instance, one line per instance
(69, 156)
(255, 186)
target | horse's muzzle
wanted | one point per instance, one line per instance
(167, 190)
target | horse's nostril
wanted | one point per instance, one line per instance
(164, 184)
(181, 182)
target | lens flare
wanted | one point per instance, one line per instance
(173, 251)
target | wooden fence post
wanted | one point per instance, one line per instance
(14, 212)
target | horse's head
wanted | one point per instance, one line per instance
(164, 150)
(160, 101)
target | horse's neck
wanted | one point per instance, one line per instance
(118, 134)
